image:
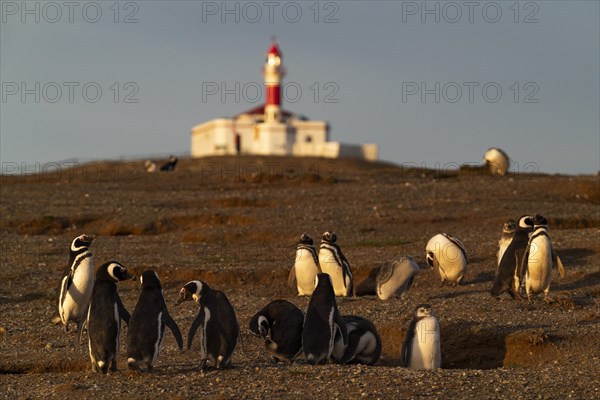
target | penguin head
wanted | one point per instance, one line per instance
(526, 222)
(172, 159)
(540, 220)
(509, 226)
(323, 281)
(429, 257)
(192, 290)
(82, 242)
(113, 270)
(306, 239)
(423, 310)
(263, 327)
(329, 237)
(149, 279)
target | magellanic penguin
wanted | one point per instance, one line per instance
(104, 316)
(396, 278)
(219, 329)
(497, 161)
(169, 165)
(322, 323)
(306, 267)
(364, 342)
(147, 324)
(77, 284)
(333, 263)
(509, 274)
(150, 166)
(421, 348)
(279, 324)
(447, 256)
(508, 230)
(539, 259)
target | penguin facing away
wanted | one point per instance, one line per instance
(447, 256)
(76, 284)
(421, 348)
(396, 278)
(219, 329)
(104, 316)
(279, 323)
(334, 263)
(322, 322)
(508, 231)
(510, 272)
(539, 259)
(147, 324)
(306, 267)
(364, 342)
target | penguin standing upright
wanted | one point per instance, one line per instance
(447, 256)
(279, 323)
(508, 230)
(169, 165)
(76, 284)
(509, 274)
(306, 267)
(364, 342)
(219, 329)
(421, 348)
(538, 260)
(147, 324)
(333, 263)
(104, 316)
(322, 323)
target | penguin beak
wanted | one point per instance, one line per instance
(87, 238)
(181, 298)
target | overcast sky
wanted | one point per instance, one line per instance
(432, 83)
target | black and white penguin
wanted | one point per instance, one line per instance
(497, 161)
(396, 278)
(76, 284)
(147, 324)
(279, 323)
(333, 263)
(169, 165)
(150, 166)
(364, 342)
(538, 260)
(104, 316)
(306, 267)
(322, 323)
(447, 256)
(219, 329)
(510, 272)
(421, 348)
(508, 231)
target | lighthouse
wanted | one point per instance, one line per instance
(273, 72)
(271, 130)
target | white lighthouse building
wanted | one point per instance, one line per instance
(270, 130)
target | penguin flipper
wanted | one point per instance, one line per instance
(174, 328)
(341, 325)
(123, 313)
(292, 279)
(405, 352)
(559, 264)
(194, 327)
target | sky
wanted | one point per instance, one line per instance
(433, 83)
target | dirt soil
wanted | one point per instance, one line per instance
(234, 223)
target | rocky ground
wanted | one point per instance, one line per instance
(234, 222)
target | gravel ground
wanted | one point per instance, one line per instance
(234, 222)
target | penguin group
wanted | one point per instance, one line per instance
(320, 333)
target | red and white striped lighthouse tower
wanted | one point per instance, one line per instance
(274, 73)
